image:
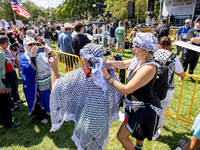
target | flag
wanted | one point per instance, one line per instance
(19, 9)
(56, 22)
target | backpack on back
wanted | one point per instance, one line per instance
(55, 36)
(163, 31)
(161, 85)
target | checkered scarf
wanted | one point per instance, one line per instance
(146, 41)
(94, 54)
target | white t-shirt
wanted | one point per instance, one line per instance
(175, 66)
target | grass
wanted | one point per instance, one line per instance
(34, 135)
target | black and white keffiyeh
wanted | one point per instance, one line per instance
(146, 41)
(161, 56)
(76, 97)
(94, 54)
(43, 66)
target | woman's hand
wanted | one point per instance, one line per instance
(3, 91)
(110, 61)
(34, 51)
(105, 73)
(46, 49)
(54, 62)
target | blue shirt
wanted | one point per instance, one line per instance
(65, 42)
(183, 31)
(112, 31)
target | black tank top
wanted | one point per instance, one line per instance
(145, 93)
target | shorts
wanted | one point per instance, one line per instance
(142, 123)
(120, 43)
(112, 40)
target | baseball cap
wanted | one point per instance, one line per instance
(197, 19)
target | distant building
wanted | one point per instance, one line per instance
(180, 10)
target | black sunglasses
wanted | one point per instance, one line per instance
(32, 44)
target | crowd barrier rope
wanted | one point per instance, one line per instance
(122, 73)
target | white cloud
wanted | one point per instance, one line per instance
(43, 4)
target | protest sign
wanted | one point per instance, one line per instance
(19, 23)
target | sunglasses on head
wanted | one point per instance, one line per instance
(32, 44)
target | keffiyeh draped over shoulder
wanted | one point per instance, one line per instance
(78, 98)
(43, 67)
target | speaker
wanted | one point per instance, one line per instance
(130, 9)
(150, 5)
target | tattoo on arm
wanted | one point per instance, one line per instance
(118, 64)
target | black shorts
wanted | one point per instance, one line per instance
(142, 123)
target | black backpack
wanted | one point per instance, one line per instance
(161, 85)
(122, 71)
(164, 31)
(55, 36)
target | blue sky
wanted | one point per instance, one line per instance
(46, 3)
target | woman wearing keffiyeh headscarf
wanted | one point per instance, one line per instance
(36, 75)
(85, 97)
(142, 105)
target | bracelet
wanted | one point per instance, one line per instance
(109, 78)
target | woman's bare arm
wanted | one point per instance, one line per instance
(141, 78)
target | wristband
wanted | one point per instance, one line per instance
(109, 78)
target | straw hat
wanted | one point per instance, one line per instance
(68, 25)
(30, 33)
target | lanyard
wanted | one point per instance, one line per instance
(198, 34)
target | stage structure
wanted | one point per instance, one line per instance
(180, 10)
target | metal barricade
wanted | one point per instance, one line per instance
(172, 112)
(178, 113)
(183, 106)
(68, 62)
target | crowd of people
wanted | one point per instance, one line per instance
(89, 96)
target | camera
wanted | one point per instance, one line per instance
(115, 21)
(108, 14)
(101, 17)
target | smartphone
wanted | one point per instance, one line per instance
(40, 50)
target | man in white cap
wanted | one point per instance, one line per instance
(183, 34)
(65, 45)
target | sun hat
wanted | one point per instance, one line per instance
(68, 25)
(30, 33)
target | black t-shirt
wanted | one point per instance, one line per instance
(47, 34)
(78, 42)
(193, 33)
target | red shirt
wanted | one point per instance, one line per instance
(8, 66)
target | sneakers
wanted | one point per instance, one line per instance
(191, 79)
(15, 108)
(181, 79)
(157, 134)
(19, 101)
(44, 121)
(13, 124)
(122, 55)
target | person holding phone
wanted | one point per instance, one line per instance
(36, 75)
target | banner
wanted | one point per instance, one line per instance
(178, 7)
(19, 23)
(5, 24)
(187, 45)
